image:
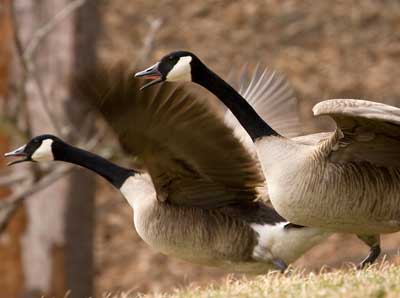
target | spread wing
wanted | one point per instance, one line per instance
(271, 95)
(366, 130)
(192, 157)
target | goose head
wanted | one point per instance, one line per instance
(40, 148)
(174, 67)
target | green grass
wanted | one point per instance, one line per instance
(380, 281)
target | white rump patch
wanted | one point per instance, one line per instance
(274, 241)
(181, 70)
(44, 151)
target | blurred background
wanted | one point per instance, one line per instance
(74, 232)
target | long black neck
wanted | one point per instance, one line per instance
(116, 175)
(255, 126)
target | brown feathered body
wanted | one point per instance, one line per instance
(348, 180)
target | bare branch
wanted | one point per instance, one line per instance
(9, 205)
(26, 62)
(43, 97)
(148, 42)
(28, 70)
(29, 51)
(42, 183)
(41, 33)
(21, 85)
(86, 129)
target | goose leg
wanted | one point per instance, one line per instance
(374, 249)
(280, 264)
(262, 254)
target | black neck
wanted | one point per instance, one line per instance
(255, 126)
(116, 175)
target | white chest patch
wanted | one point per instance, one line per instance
(44, 151)
(130, 189)
(181, 71)
(137, 190)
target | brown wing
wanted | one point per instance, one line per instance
(191, 155)
(368, 131)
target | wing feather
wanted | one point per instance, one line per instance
(191, 155)
(271, 95)
(368, 131)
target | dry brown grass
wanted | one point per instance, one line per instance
(381, 281)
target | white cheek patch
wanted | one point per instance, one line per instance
(43, 152)
(181, 71)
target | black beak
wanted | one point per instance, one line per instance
(150, 73)
(17, 153)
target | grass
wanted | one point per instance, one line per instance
(381, 281)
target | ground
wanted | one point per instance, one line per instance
(379, 282)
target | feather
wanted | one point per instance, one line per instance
(369, 131)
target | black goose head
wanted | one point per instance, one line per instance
(176, 66)
(40, 148)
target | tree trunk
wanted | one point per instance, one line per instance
(81, 204)
(57, 252)
(10, 250)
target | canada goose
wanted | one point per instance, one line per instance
(344, 181)
(253, 240)
(198, 202)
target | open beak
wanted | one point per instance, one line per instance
(17, 153)
(150, 73)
